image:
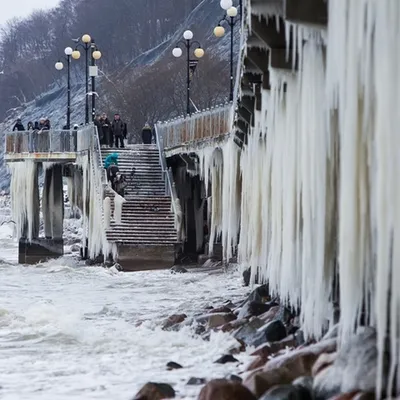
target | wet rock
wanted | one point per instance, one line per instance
(355, 367)
(364, 396)
(258, 362)
(247, 276)
(196, 381)
(215, 320)
(299, 336)
(304, 381)
(173, 365)
(260, 294)
(199, 329)
(284, 314)
(287, 392)
(267, 349)
(173, 320)
(155, 391)
(178, 269)
(230, 326)
(227, 358)
(284, 369)
(274, 331)
(259, 382)
(253, 308)
(270, 314)
(75, 248)
(223, 309)
(324, 360)
(249, 331)
(234, 378)
(118, 267)
(222, 389)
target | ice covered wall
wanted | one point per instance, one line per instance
(220, 172)
(93, 182)
(24, 198)
(323, 175)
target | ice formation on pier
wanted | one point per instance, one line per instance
(22, 189)
(319, 215)
(93, 181)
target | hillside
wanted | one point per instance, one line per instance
(140, 85)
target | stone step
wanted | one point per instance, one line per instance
(143, 234)
(139, 240)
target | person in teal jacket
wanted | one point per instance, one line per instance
(111, 159)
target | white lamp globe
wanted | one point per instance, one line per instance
(59, 66)
(226, 4)
(232, 12)
(188, 35)
(177, 52)
(68, 51)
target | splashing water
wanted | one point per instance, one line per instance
(68, 331)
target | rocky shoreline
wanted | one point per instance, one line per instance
(284, 365)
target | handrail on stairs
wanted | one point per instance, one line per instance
(170, 189)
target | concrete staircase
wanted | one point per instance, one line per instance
(146, 238)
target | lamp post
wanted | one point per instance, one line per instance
(76, 55)
(199, 53)
(219, 31)
(227, 4)
(59, 66)
(96, 55)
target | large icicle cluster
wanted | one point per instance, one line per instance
(286, 184)
(22, 189)
(94, 231)
(220, 172)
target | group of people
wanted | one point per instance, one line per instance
(42, 125)
(113, 133)
(110, 133)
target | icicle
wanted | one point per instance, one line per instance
(22, 189)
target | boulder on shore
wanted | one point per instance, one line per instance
(155, 391)
(287, 392)
(173, 320)
(354, 369)
(222, 389)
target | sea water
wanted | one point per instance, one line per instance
(68, 331)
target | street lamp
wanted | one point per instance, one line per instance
(88, 44)
(59, 66)
(227, 4)
(219, 31)
(191, 64)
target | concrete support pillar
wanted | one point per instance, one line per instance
(53, 203)
(41, 249)
(34, 227)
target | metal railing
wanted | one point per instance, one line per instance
(98, 159)
(203, 125)
(51, 141)
(170, 189)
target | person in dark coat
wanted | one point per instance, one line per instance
(30, 127)
(107, 134)
(99, 127)
(125, 130)
(18, 125)
(117, 128)
(36, 127)
(147, 133)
